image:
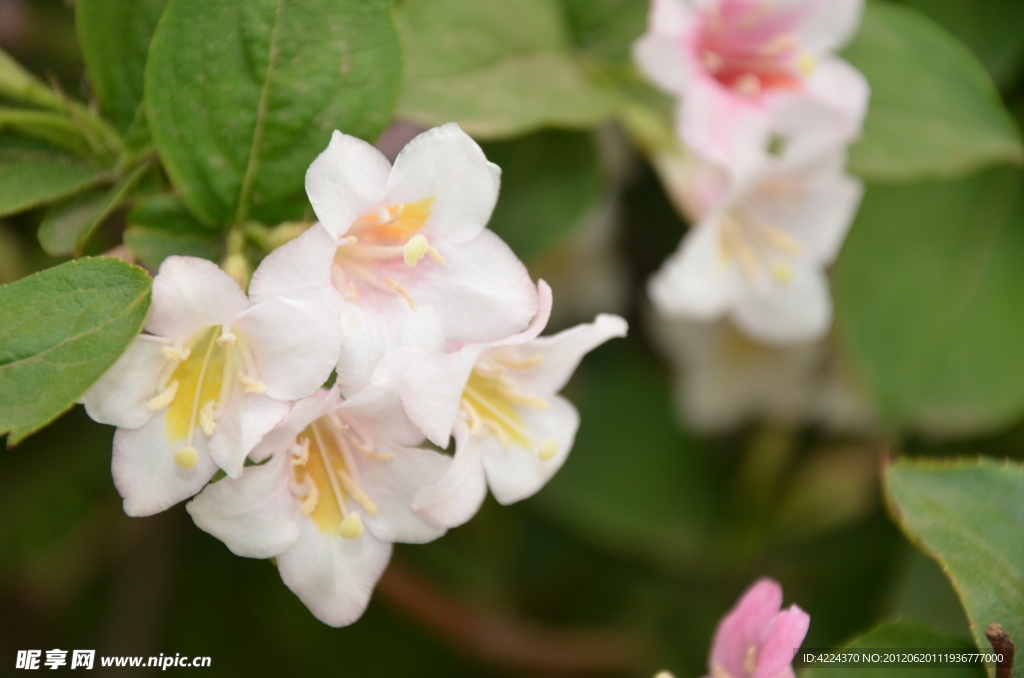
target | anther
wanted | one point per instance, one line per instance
(806, 63)
(750, 663)
(351, 526)
(782, 273)
(353, 291)
(301, 451)
(226, 338)
(206, 421)
(165, 398)
(186, 457)
(250, 385)
(397, 287)
(176, 355)
(547, 449)
(312, 497)
(415, 249)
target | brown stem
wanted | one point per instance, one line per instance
(1002, 644)
(494, 640)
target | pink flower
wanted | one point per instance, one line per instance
(758, 639)
(750, 72)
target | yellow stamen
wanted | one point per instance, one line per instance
(750, 664)
(806, 63)
(175, 354)
(311, 499)
(397, 287)
(250, 385)
(517, 398)
(526, 364)
(186, 457)
(353, 291)
(165, 398)
(782, 273)
(351, 526)
(436, 256)
(301, 452)
(495, 428)
(356, 492)
(415, 249)
(206, 421)
(226, 338)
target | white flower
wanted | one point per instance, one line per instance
(759, 253)
(213, 372)
(748, 70)
(411, 251)
(512, 431)
(335, 467)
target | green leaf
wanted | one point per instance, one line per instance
(934, 112)
(163, 226)
(497, 67)
(606, 29)
(549, 181)
(242, 95)
(968, 515)
(633, 483)
(928, 290)
(115, 37)
(66, 228)
(33, 174)
(903, 635)
(991, 28)
(59, 332)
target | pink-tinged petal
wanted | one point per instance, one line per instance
(797, 311)
(332, 576)
(393, 485)
(785, 634)
(430, 385)
(660, 57)
(539, 322)
(119, 397)
(516, 473)
(670, 17)
(255, 515)
(144, 471)
(379, 411)
(745, 626)
(298, 269)
(446, 165)
(248, 418)
(457, 496)
(696, 280)
(830, 25)
(842, 88)
(296, 344)
(562, 354)
(302, 414)
(348, 178)
(727, 128)
(190, 294)
(481, 293)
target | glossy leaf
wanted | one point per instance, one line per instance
(33, 173)
(59, 331)
(967, 514)
(115, 37)
(162, 226)
(241, 96)
(497, 67)
(928, 291)
(934, 112)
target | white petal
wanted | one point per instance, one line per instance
(302, 414)
(516, 473)
(346, 179)
(831, 26)
(296, 345)
(393, 484)
(660, 57)
(481, 293)
(253, 515)
(445, 164)
(844, 89)
(696, 280)
(379, 410)
(723, 126)
(190, 294)
(298, 269)
(797, 311)
(371, 331)
(457, 497)
(562, 354)
(119, 397)
(539, 322)
(145, 473)
(332, 576)
(249, 417)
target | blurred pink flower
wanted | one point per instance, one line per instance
(752, 71)
(758, 639)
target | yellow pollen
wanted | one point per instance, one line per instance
(186, 457)
(718, 671)
(397, 287)
(782, 273)
(206, 421)
(415, 249)
(226, 339)
(301, 451)
(165, 398)
(175, 354)
(547, 449)
(806, 63)
(748, 85)
(311, 499)
(351, 526)
(250, 385)
(750, 664)
(353, 291)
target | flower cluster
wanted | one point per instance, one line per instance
(431, 325)
(765, 114)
